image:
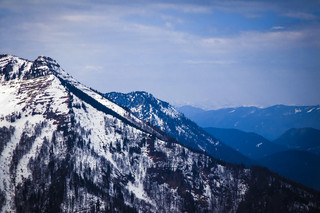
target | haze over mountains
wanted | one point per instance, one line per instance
(66, 148)
(269, 122)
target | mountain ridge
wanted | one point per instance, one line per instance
(248, 143)
(305, 139)
(59, 153)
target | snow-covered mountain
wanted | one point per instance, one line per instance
(165, 117)
(66, 148)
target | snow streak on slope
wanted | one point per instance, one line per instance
(64, 148)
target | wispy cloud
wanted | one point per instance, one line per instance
(256, 40)
(277, 28)
(218, 62)
(186, 8)
(301, 15)
(93, 68)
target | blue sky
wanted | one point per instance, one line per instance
(210, 54)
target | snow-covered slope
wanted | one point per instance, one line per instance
(65, 148)
(165, 117)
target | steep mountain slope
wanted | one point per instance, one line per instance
(300, 166)
(65, 148)
(307, 139)
(165, 117)
(269, 122)
(249, 144)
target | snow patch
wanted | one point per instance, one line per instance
(200, 147)
(138, 190)
(259, 144)
(310, 110)
(297, 111)
(170, 111)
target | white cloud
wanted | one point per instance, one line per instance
(260, 41)
(301, 15)
(277, 28)
(93, 68)
(217, 62)
(169, 25)
(186, 8)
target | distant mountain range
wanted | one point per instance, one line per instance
(269, 122)
(255, 146)
(66, 148)
(294, 154)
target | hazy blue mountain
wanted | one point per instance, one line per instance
(269, 122)
(66, 148)
(165, 117)
(190, 111)
(250, 144)
(301, 166)
(307, 139)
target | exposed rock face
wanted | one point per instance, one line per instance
(65, 148)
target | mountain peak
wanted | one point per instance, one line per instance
(47, 61)
(42, 66)
(140, 95)
(12, 67)
(145, 93)
(15, 68)
(144, 100)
